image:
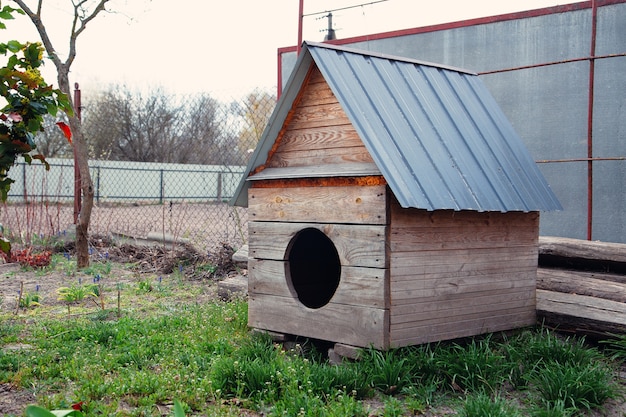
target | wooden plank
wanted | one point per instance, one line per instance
(317, 116)
(412, 264)
(408, 271)
(320, 157)
(592, 284)
(436, 277)
(317, 92)
(340, 323)
(357, 285)
(582, 306)
(316, 76)
(324, 137)
(318, 171)
(342, 204)
(449, 218)
(473, 237)
(451, 305)
(463, 327)
(407, 291)
(525, 309)
(357, 245)
(582, 249)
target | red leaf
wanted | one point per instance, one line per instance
(66, 131)
(78, 406)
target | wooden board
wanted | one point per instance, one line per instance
(403, 292)
(357, 245)
(581, 313)
(458, 305)
(340, 323)
(318, 132)
(343, 155)
(358, 286)
(409, 265)
(317, 171)
(582, 249)
(461, 326)
(593, 284)
(346, 204)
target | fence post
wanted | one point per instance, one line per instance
(98, 185)
(24, 183)
(161, 196)
(219, 187)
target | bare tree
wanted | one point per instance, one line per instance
(256, 111)
(121, 124)
(84, 11)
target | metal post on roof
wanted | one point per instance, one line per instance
(330, 32)
(300, 18)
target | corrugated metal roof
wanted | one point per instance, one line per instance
(436, 133)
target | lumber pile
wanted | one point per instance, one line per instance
(581, 286)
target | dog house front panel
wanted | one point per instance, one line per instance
(294, 287)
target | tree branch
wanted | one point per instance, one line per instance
(83, 24)
(36, 19)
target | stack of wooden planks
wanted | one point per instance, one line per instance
(581, 286)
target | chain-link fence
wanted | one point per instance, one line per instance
(162, 166)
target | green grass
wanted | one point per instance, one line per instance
(167, 347)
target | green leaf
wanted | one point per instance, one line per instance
(14, 46)
(35, 411)
(6, 14)
(178, 409)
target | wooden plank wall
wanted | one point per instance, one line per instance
(356, 315)
(319, 133)
(457, 274)
(319, 139)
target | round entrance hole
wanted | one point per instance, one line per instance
(313, 267)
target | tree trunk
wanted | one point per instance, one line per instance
(86, 185)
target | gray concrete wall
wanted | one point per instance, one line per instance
(547, 105)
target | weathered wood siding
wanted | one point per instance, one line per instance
(357, 314)
(457, 274)
(344, 204)
(319, 132)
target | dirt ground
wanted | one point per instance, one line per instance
(150, 262)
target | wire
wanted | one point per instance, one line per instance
(345, 8)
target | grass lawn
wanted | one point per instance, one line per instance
(125, 343)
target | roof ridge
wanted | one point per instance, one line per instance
(381, 55)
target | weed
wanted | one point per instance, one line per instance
(475, 367)
(387, 371)
(28, 300)
(393, 407)
(481, 405)
(98, 269)
(575, 385)
(144, 286)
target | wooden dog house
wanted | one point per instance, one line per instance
(390, 203)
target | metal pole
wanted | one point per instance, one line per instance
(162, 185)
(592, 64)
(77, 179)
(300, 18)
(219, 187)
(98, 185)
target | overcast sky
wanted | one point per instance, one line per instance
(227, 46)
